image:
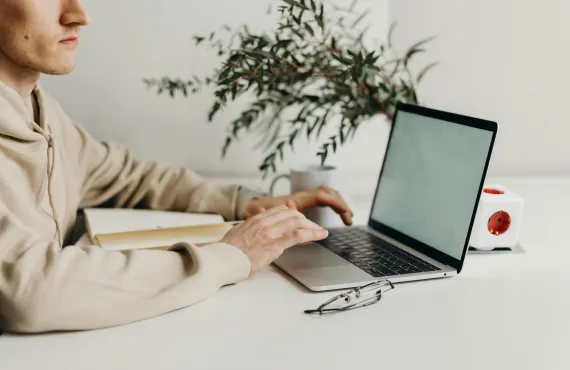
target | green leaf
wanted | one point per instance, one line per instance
(341, 59)
(309, 29)
(319, 18)
(198, 39)
(354, 127)
(297, 20)
(341, 131)
(371, 58)
(395, 70)
(390, 34)
(292, 137)
(215, 108)
(281, 44)
(300, 116)
(311, 128)
(410, 54)
(323, 122)
(313, 6)
(359, 19)
(425, 70)
(258, 54)
(226, 146)
(296, 4)
(234, 91)
(323, 156)
(280, 149)
(355, 75)
(296, 32)
(420, 43)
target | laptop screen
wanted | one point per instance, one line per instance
(431, 180)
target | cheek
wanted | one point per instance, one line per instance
(39, 44)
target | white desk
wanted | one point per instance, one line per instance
(501, 312)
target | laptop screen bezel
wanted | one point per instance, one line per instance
(412, 242)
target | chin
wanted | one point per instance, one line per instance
(59, 70)
(60, 67)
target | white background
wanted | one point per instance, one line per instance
(506, 60)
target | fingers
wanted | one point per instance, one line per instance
(326, 197)
(300, 236)
(288, 226)
(264, 213)
(279, 214)
(335, 201)
(290, 203)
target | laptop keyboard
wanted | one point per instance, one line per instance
(372, 254)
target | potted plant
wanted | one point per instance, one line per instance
(315, 65)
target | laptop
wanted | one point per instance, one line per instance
(423, 210)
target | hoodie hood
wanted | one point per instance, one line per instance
(15, 122)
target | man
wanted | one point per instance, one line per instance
(51, 167)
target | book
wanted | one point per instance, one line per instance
(124, 229)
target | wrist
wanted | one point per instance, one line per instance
(245, 196)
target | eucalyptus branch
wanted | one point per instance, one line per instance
(315, 62)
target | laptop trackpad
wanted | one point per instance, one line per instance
(310, 255)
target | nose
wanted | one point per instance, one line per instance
(74, 13)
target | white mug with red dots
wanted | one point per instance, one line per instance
(498, 220)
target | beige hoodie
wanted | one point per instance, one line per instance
(52, 168)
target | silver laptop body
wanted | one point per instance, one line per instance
(424, 207)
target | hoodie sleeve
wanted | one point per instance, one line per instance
(46, 288)
(112, 175)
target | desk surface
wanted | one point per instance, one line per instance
(501, 312)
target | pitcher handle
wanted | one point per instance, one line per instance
(275, 180)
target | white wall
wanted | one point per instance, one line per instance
(129, 40)
(505, 60)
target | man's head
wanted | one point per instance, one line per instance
(41, 35)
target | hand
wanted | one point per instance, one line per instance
(265, 236)
(302, 201)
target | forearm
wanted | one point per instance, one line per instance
(126, 182)
(49, 289)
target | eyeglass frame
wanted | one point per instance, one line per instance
(347, 296)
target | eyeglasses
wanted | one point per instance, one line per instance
(353, 298)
